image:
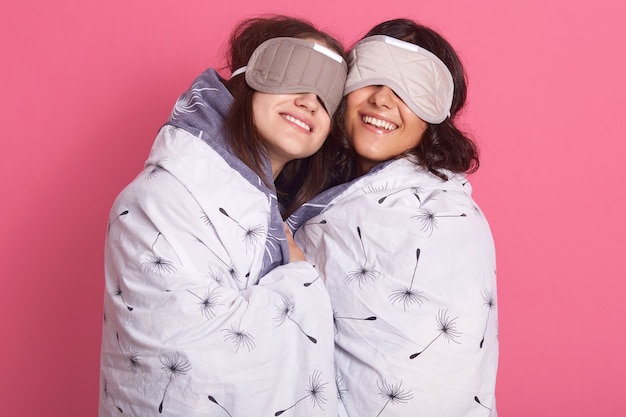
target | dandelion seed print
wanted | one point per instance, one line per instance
(109, 396)
(308, 284)
(205, 219)
(375, 188)
(123, 213)
(429, 220)
(408, 295)
(230, 268)
(315, 392)
(316, 389)
(284, 310)
(217, 275)
(393, 393)
(155, 169)
(208, 303)
(158, 265)
(134, 361)
(273, 243)
(414, 190)
(284, 313)
(232, 272)
(366, 271)
(275, 236)
(156, 240)
(446, 328)
(251, 235)
(117, 292)
(175, 366)
(481, 404)
(213, 400)
(189, 100)
(247, 279)
(490, 302)
(341, 390)
(336, 317)
(239, 338)
(477, 211)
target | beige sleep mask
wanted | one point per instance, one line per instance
(416, 75)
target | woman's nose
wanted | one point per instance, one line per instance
(309, 101)
(383, 96)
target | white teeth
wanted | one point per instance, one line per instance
(298, 122)
(379, 123)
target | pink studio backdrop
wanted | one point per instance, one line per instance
(86, 85)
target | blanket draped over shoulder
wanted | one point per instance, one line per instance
(409, 263)
(203, 314)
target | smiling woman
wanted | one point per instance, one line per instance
(381, 124)
(291, 126)
(287, 67)
(402, 245)
(198, 263)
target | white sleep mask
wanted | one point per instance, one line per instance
(292, 65)
(416, 75)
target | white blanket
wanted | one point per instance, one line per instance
(192, 327)
(409, 263)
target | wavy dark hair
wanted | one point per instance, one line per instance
(443, 146)
(300, 179)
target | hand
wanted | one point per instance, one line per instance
(295, 253)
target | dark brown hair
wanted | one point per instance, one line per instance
(444, 145)
(300, 179)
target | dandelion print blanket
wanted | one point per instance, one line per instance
(409, 263)
(203, 316)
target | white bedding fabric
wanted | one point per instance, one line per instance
(191, 328)
(409, 263)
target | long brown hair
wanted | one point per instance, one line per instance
(444, 145)
(300, 179)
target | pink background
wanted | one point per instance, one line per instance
(85, 86)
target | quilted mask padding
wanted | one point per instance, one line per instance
(291, 65)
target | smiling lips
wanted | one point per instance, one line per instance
(366, 119)
(297, 122)
(379, 123)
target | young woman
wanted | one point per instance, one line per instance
(203, 313)
(406, 254)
